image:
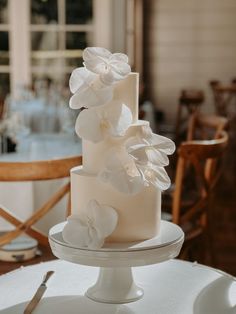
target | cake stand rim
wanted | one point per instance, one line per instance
(120, 250)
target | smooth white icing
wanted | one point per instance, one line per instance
(139, 215)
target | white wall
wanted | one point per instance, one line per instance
(189, 43)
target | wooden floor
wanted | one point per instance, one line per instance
(223, 217)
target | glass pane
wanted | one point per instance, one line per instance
(44, 12)
(3, 11)
(78, 40)
(79, 12)
(4, 47)
(4, 85)
(44, 40)
(74, 62)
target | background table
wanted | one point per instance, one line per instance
(173, 287)
(24, 197)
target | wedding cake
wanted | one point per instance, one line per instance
(116, 193)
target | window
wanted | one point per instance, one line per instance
(46, 38)
(59, 31)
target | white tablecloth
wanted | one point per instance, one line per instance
(173, 287)
(24, 197)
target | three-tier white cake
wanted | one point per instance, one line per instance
(116, 193)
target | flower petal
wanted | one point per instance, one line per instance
(91, 97)
(120, 118)
(78, 78)
(118, 71)
(87, 126)
(94, 52)
(163, 143)
(76, 232)
(157, 176)
(105, 218)
(120, 57)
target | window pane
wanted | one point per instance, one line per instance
(4, 47)
(4, 84)
(74, 62)
(44, 40)
(44, 12)
(78, 40)
(3, 11)
(79, 12)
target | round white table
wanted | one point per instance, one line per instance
(173, 287)
(30, 195)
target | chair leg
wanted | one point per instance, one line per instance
(42, 239)
(23, 227)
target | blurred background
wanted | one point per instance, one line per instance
(184, 50)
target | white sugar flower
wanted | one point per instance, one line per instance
(90, 227)
(121, 172)
(144, 156)
(88, 89)
(96, 124)
(110, 67)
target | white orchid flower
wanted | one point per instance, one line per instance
(121, 172)
(96, 124)
(90, 227)
(88, 89)
(146, 154)
(110, 67)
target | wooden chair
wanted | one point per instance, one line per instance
(205, 158)
(205, 127)
(223, 96)
(35, 171)
(190, 100)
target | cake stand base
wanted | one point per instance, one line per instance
(115, 283)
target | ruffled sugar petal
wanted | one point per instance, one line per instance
(76, 232)
(148, 154)
(118, 71)
(95, 65)
(121, 57)
(156, 157)
(120, 118)
(87, 126)
(78, 78)
(156, 176)
(94, 52)
(105, 218)
(162, 143)
(91, 97)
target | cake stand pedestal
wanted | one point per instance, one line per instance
(115, 283)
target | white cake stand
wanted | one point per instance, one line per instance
(115, 282)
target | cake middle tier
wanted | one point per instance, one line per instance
(138, 215)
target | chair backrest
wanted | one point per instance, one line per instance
(204, 157)
(38, 170)
(35, 171)
(223, 95)
(205, 127)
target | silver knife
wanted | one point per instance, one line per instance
(38, 295)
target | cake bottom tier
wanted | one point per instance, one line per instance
(138, 215)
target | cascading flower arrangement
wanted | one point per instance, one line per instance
(132, 164)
